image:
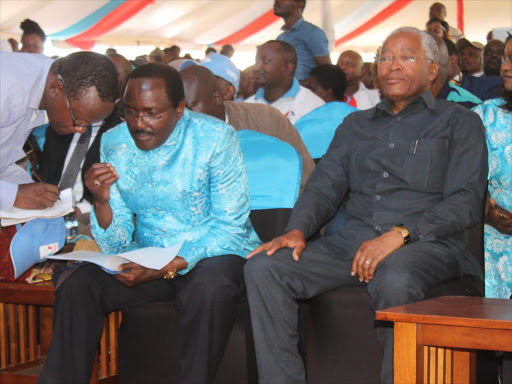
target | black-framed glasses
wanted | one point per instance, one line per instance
(130, 116)
(68, 100)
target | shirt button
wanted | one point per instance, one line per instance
(391, 145)
(377, 197)
(421, 237)
(398, 118)
(385, 174)
(377, 229)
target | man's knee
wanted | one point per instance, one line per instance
(260, 267)
(394, 286)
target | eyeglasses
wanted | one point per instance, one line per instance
(403, 60)
(75, 124)
(506, 59)
(130, 116)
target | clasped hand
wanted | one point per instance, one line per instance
(98, 179)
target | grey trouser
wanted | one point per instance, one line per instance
(274, 283)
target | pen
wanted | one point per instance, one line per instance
(41, 180)
(415, 146)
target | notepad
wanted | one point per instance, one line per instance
(62, 207)
(151, 257)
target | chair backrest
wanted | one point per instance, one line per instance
(274, 169)
(317, 128)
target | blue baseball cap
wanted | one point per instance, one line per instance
(34, 241)
(221, 66)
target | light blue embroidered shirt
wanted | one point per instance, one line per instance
(193, 187)
(498, 246)
(309, 42)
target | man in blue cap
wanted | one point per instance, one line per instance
(227, 74)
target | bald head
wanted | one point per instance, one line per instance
(352, 64)
(202, 92)
(123, 68)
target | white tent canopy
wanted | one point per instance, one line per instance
(193, 24)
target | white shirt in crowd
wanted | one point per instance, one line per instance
(294, 104)
(365, 98)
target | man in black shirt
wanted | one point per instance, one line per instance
(416, 169)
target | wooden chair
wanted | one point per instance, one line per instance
(26, 320)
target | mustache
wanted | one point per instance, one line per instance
(142, 132)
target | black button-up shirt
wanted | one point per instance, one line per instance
(425, 167)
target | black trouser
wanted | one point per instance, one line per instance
(206, 296)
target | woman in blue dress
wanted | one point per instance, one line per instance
(496, 115)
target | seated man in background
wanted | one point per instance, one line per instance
(416, 168)
(72, 93)
(470, 57)
(356, 94)
(182, 174)
(442, 88)
(317, 127)
(276, 62)
(202, 95)
(226, 73)
(64, 157)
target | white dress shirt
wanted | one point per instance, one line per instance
(294, 104)
(22, 79)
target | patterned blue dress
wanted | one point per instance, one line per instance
(498, 247)
(193, 188)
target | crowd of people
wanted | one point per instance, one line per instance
(398, 157)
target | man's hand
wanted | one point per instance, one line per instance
(36, 196)
(293, 239)
(99, 178)
(134, 274)
(498, 218)
(372, 252)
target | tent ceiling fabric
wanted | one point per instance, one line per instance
(196, 23)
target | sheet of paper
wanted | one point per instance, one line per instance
(151, 257)
(110, 263)
(62, 207)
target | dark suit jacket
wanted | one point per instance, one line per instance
(51, 159)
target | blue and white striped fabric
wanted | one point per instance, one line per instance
(274, 169)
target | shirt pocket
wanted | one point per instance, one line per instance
(426, 164)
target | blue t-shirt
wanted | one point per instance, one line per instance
(309, 42)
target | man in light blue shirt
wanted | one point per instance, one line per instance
(71, 93)
(309, 41)
(182, 175)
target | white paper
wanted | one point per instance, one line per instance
(62, 207)
(151, 257)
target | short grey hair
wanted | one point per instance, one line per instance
(428, 43)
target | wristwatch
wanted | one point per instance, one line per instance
(405, 233)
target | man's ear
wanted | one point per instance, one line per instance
(433, 70)
(218, 98)
(180, 108)
(55, 87)
(289, 67)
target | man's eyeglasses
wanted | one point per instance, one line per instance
(130, 116)
(75, 124)
(403, 60)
